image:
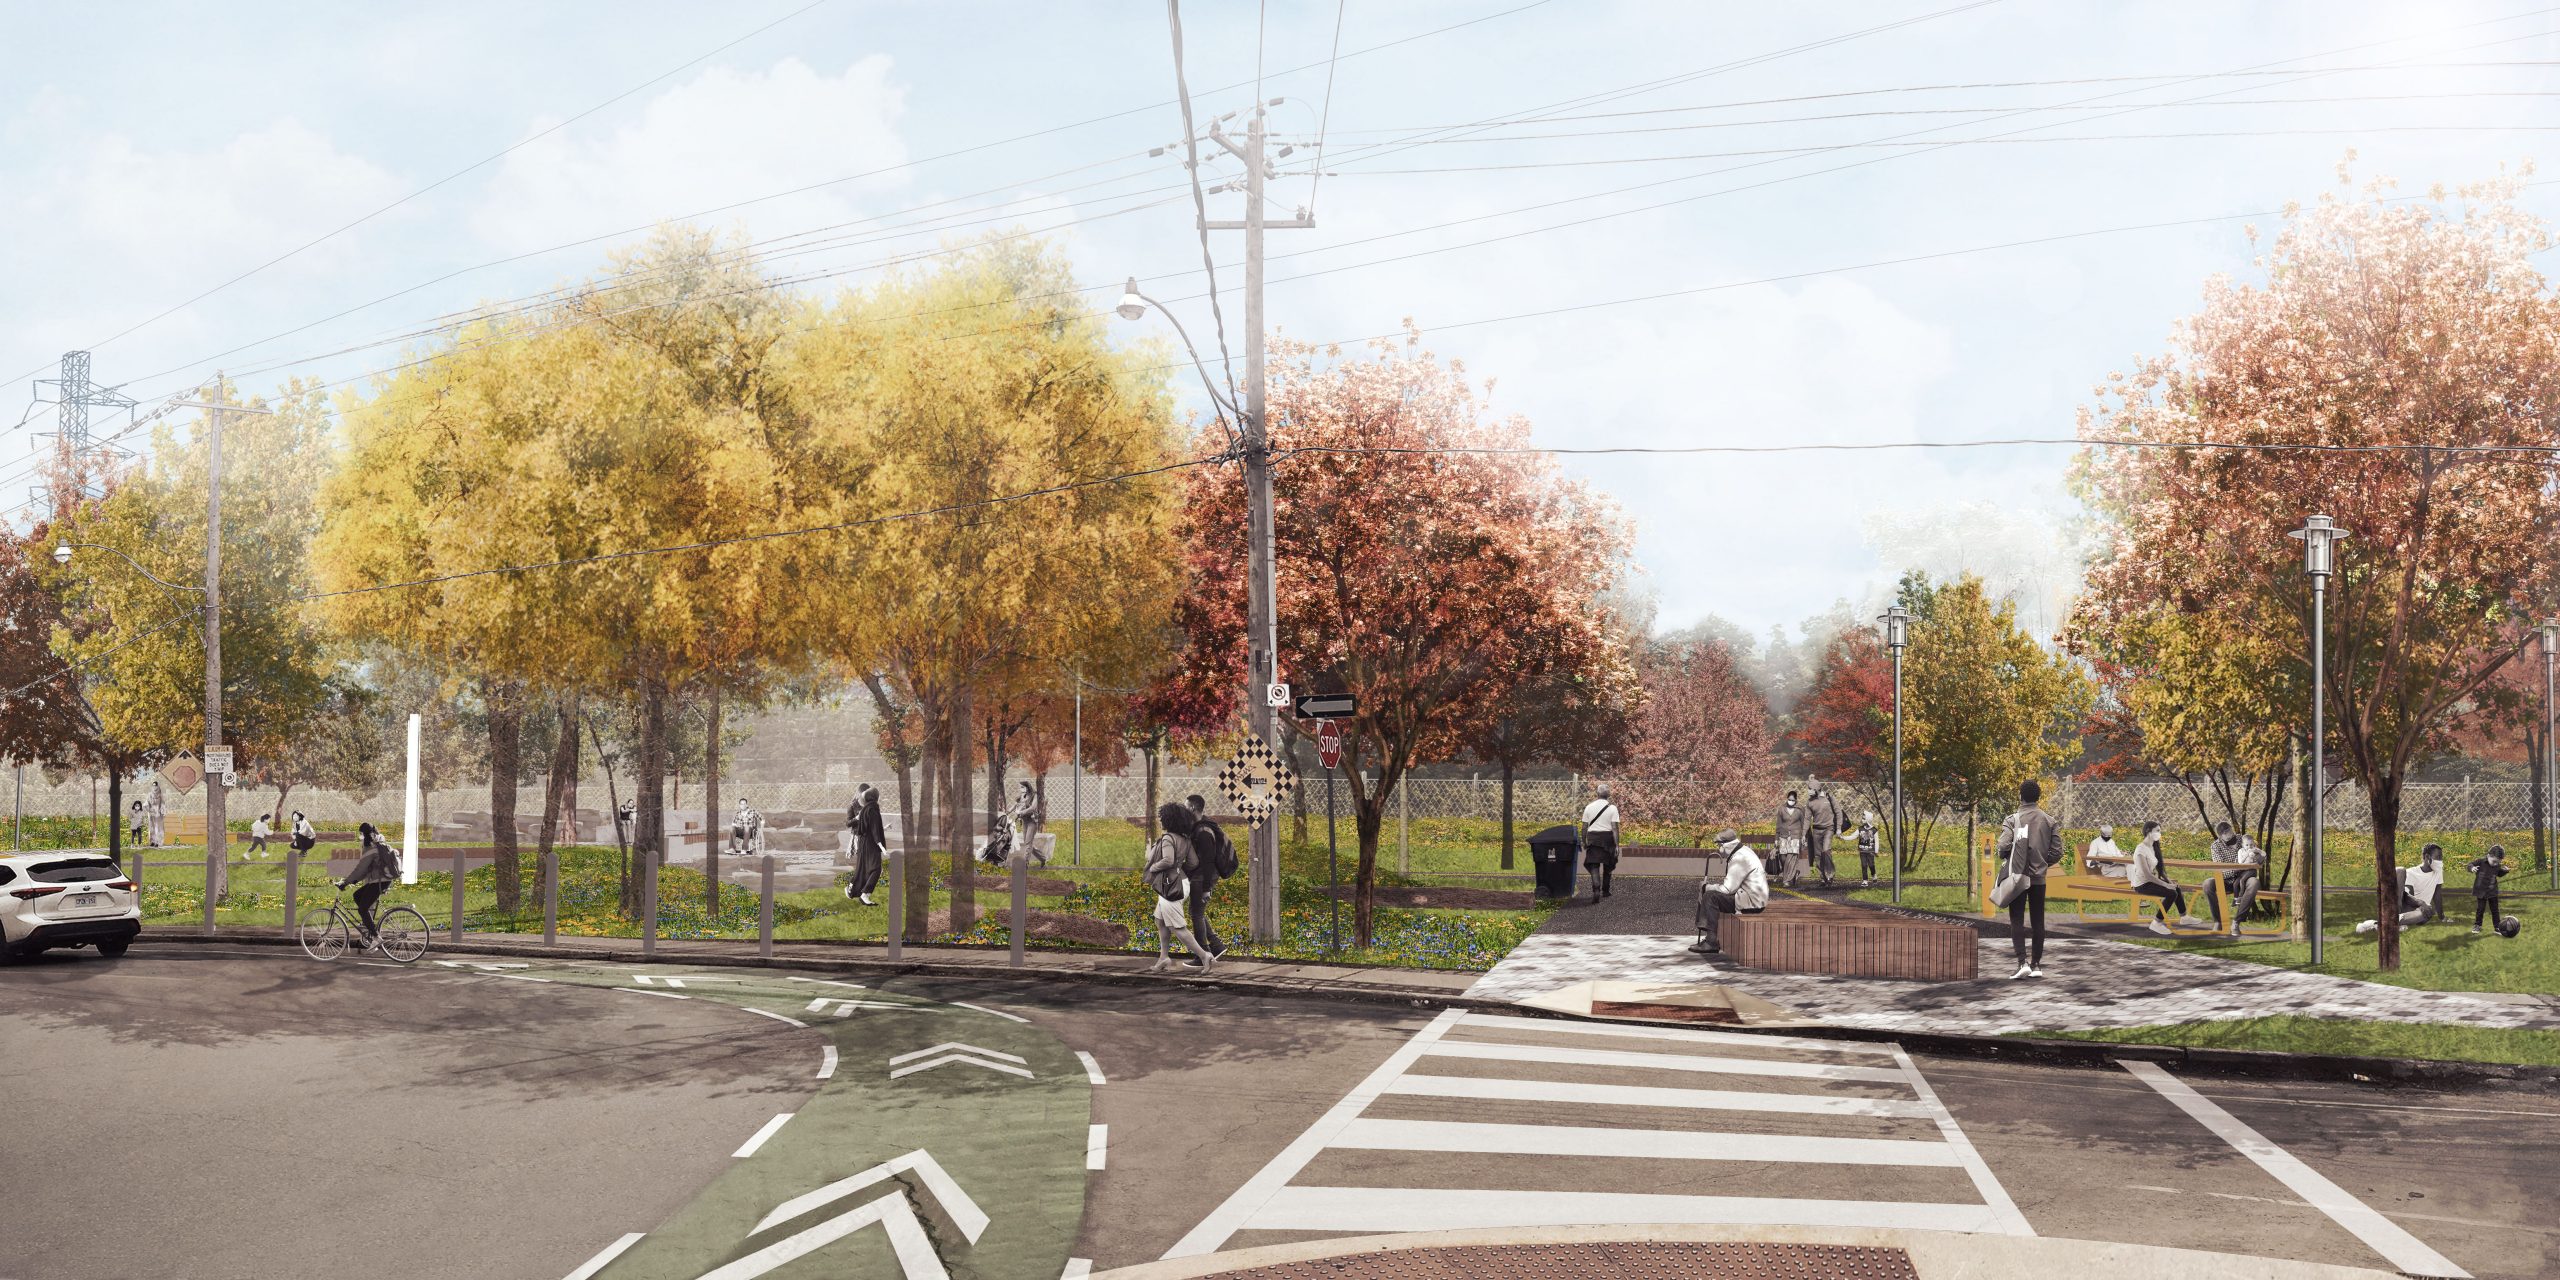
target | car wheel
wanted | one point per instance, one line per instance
(114, 948)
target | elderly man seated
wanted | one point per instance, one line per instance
(1745, 890)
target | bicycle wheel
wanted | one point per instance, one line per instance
(320, 935)
(404, 934)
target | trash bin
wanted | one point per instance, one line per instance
(1554, 853)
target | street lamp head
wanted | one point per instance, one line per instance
(2550, 636)
(1897, 627)
(62, 553)
(2320, 537)
(1131, 305)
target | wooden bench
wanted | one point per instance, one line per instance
(1798, 935)
(2081, 890)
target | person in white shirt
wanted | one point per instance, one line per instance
(1745, 891)
(2146, 878)
(258, 833)
(1600, 841)
(2103, 858)
(2418, 886)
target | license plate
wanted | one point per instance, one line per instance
(88, 899)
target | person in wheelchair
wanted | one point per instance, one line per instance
(374, 871)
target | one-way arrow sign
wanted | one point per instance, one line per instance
(1327, 706)
(951, 1052)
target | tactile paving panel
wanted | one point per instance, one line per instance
(1701, 1260)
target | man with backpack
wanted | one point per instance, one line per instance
(1217, 856)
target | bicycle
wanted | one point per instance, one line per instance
(326, 932)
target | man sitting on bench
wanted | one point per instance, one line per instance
(1745, 891)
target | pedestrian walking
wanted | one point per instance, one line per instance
(2029, 847)
(1028, 815)
(140, 825)
(1170, 861)
(1744, 891)
(258, 833)
(870, 842)
(1600, 841)
(1867, 842)
(1823, 824)
(2485, 872)
(1790, 832)
(158, 812)
(1217, 856)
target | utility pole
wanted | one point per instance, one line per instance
(217, 845)
(1262, 878)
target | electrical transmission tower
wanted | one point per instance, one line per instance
(79, 404)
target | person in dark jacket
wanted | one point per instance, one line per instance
(870, 841)
(2485, 873)
(375, 870)
(1823, 823)
(1217, 854)
(2029, 846)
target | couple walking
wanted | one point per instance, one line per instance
(1184, 864)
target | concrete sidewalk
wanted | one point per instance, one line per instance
(1609, 1253)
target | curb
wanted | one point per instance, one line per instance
(2246, 1063)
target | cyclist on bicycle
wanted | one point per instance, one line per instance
(374, 871)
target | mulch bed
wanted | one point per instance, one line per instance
(1446, 898)
(1049, 926)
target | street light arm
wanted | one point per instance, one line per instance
(1221, 401)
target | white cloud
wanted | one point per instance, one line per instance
(724, 136)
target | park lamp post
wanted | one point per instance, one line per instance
(2320, 537)
(2550, 750)
(1897, 637)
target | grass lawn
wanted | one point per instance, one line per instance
(2290, 1034)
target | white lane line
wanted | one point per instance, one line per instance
(1645, 1144)
(1508, 1022)
(1377, 1210)
(827, 1063)
(830, 982)
(522, 977)
(776, 1017)
(953, 1044)
(1097, 1142)
(1994, 1196)
(2385, 1237)
(1483, 1051)
(1259, 1190)
(1627, 1095)
(644, 979)
(611, 1252)
(1092, 1069)
(771, 1127)
(963, 1004)
(639, 992)
(1077, 1269)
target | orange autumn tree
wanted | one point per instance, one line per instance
(2399, 368)
(1416, 563)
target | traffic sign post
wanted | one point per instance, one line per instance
(1326, 706)
(1332, 846)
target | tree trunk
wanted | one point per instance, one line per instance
(275, 816)
(2535, 753)
(711, 803)
(920, 825)
(506, 750)
(621, 838)
(1506, 815)
(1151, 793)
(2385, 807)
(115, 812)
(564, 767)
(964, 873)
(650, 824)
(1369, 817)
(996, 743)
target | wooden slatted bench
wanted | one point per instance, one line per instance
(1797, 935)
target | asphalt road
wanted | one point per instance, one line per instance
(210, 1111)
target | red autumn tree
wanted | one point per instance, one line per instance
(1427, 564)
(2397, 369)
(1844, 725)
(1701, 756)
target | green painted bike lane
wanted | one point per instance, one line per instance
(839, 1187)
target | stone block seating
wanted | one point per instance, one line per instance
(1800, 936)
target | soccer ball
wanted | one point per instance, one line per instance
(2509, 926)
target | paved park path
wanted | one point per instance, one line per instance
(1640, 935)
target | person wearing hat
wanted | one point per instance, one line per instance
(2103, 858)
(1745, 891)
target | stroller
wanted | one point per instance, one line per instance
(999, 846)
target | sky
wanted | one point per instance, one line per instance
(1649, 225)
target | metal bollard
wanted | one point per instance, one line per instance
(764, 912)
(1021, 900)
(648, 904)
(897, 902)
(292, 885)
(457, 893)
(551, 897)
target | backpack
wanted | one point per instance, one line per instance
(1221, 851)
(1170, 861)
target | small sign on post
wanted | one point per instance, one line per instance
(1329, 745)
(217, 760)
(1276, 696)
(1327, 706)
(1256, 779)
(182, 773)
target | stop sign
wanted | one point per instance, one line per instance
(1329, 745)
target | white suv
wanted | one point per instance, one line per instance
(66, 900)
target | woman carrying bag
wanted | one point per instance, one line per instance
(2029, 846)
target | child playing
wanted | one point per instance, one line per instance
(2484, 886)
(1867, 849)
